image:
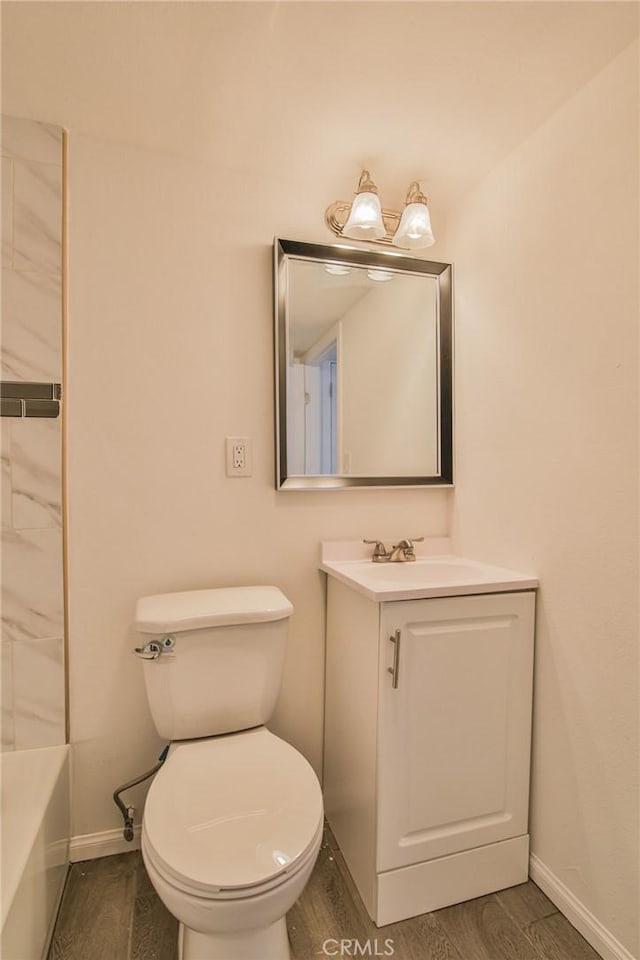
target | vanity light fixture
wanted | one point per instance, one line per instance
(364, 219)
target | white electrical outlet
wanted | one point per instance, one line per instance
(239, 458)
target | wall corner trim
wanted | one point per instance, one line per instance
(594, 932)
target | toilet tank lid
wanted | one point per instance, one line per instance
(218, 607)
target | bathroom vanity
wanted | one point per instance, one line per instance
(427, 727)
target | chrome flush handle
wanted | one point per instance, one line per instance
(155, 648)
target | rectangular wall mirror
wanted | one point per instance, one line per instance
(363, 348)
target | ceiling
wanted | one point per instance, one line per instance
(313, 91)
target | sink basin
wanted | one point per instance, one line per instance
(439, 576)
(436, 570)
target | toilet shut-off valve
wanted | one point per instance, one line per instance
(129, 811)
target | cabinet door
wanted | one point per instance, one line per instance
(455, 733)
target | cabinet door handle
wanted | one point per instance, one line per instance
(395, 669)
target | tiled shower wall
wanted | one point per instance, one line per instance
(33, 688)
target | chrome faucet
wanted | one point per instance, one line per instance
(404, 551)
(399, 553)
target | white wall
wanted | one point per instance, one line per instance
(170, 350)
(546, 252)
(388, 375)
(197, 132)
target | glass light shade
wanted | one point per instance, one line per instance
(365, 218)
(414, 230)
(380, 275)
(337, 269)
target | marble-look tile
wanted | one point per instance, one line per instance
(5, 476)
(7, 195)
(32, 589)
(35, 473)
(31, 326)
(8, 736)
(37, 217)
(31, 140)
(38, 693)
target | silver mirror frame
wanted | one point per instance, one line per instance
(342, 254)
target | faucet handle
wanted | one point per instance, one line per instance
(409, 542)
(379, 551)
(405, 549)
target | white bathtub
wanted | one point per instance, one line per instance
(35, 847)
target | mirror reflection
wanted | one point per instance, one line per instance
(360, 375)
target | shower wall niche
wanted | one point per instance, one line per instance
(33, 648)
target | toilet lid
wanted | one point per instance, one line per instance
(232, 811)
(218, 607)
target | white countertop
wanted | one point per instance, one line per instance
(430, 575)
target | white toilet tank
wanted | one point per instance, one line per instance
(220, 669)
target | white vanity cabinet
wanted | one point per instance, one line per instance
(426, 771)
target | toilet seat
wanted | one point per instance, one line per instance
(233, 816)
(206, 893)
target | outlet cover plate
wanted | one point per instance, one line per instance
(239, 456)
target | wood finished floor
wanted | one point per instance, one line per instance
(110, 911)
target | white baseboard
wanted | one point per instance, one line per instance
(602, 941)
(90, 846)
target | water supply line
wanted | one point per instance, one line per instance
(129, 812)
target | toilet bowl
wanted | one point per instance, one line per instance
(233, 821)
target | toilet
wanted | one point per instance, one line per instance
(233, 820)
